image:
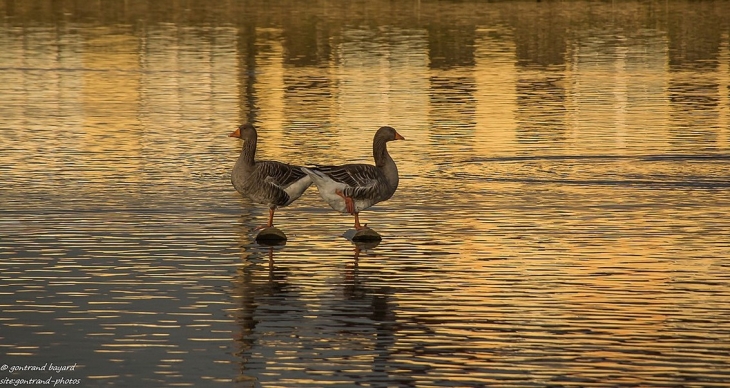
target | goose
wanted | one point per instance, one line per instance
(272, 183)
(351, 188)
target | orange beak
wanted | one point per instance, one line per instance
(399, 137)
(236, 133)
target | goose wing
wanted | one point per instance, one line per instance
(363, 181)
(273, 178)
(280, 174)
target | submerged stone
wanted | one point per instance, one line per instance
(365, 234)
(270, 235)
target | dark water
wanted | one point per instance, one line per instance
(562, 217)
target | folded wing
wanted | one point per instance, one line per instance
(362, 180)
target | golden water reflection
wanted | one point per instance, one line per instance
(561, 220)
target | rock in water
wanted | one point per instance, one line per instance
(365, 234)
(270, 235)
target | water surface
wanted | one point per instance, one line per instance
(561, 218)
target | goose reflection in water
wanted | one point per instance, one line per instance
(285, 320)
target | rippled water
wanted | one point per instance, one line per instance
(562, 216)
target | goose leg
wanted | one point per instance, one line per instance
(349, 202)
(271, 220)
(350, 207)
(357, 223)
(271, 217)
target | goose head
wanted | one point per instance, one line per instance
(244, 132)
(388, 134)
